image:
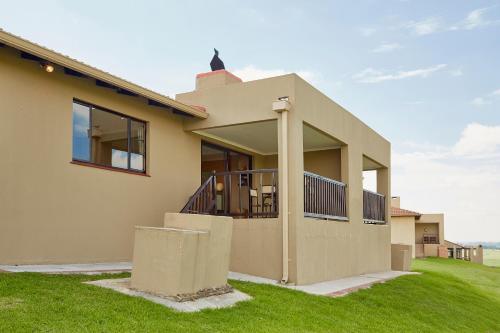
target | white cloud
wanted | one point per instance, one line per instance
(386, 47)
(461, 180)
(425, 27)
(371, 75)
(250, 73)
(486, 100)
(475, 19)
(478, 140)
(480, 101)
(119, 158)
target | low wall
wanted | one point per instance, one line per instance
(256, 247)
(189, 254)
(329, 250)
(476, 254)
(419, 250)
(219, 246)
(169, 261)
(401, 255)
(431, 250)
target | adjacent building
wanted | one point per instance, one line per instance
(424, 232)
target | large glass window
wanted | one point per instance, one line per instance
(109, 139)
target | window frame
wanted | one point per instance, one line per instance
(129, 140)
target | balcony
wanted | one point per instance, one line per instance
(373, 208)
(324, 198)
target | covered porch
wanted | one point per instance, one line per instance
(240, 175)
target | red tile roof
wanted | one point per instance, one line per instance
(403, 212)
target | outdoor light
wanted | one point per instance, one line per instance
(49, 68)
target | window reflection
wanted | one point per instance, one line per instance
(109, 139)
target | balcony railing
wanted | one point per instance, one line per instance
(324, 197)
(243, 194)
(373, 207)
(430, 239)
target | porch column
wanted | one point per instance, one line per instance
(384, 188)
(282, 107)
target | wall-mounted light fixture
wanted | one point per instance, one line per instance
(48, 67)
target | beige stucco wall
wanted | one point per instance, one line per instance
(422, 229)
(401, 257)
(218, 250)
(52, 211)
(170, 261)
(256, 247)
(319, 250)
(326, 163)
(403, 231)
(438, 227)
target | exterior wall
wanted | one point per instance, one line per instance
(403, 231)
(419, 251)
(52, 211)
(326, 250)
(434, 218)
(476, 254)
(422, 229)
(319, 250)
(431, 250)
(256, 247)
(396, 202)
(326, 163)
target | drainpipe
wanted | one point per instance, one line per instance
(282, 106)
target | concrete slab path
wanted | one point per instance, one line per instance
(70, 268)
(211, 302)
(333, 288)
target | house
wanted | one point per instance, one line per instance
(471, 253)
(87, 156)
(424, 232)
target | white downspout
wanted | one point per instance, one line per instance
(282, 106)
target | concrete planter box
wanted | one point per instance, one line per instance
(189, 254)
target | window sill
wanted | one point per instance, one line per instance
(102, 167)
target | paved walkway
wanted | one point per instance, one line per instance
(211, 302)
(114, 267)
(333, 288)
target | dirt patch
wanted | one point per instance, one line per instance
(202, 294)
(7, 303)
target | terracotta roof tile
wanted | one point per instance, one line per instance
(403, 212)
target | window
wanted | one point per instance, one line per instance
(107, 138)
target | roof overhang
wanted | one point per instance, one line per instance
(43, 53)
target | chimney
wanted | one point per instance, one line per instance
(396, 202)
(214, 79)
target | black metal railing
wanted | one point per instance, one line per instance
(244, 194)
(324, 197)
(430, 239)
(373, 207)
(203, 201)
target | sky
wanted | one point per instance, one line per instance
(424, 74)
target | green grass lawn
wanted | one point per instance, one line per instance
(491, 257)
(450, 296)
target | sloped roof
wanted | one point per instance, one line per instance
(75, 65)
(395, 211)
